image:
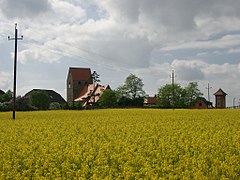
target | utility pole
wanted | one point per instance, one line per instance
(234, 103)
(208, 88)
(172, 77)
(16, 38)
(173, 93)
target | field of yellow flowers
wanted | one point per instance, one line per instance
(121, 144)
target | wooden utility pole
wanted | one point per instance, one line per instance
(208, 88)
(173, 91)
(172, 77)
(16, 38)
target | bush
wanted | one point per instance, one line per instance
(55, 106)
(73, 106)
(4, 107)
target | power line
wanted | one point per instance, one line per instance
(16, 38)
(90, 53)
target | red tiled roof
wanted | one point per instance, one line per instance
(150, 100)
(80, 74)
(220, 92)
(85, 92)
(91, 88)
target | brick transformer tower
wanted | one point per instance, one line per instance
(220, 97)
(77, 79)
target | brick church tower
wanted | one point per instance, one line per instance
(77, 79)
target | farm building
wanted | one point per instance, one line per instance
(1, 92)
(220, 97)
(53, 96)
(202, 103)
(80, 86)
(149, 101)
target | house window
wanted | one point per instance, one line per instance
(69, 85)
(200, 104)
(79, 82)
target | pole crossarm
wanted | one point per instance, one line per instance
(16, 38)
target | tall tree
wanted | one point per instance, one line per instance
(6, 97)
(108, 99)
(133, 87)
(178, 97)
(168, 99)
(131, 93)
(95, 77)
(192, 93)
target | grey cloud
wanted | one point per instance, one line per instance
(189, 70)
(175, 15)
(126, 53)
(24, 8)
(190, 74)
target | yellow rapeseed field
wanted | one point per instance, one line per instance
(121, 144)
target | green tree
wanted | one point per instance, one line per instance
(108, 99)
(40, 100)
(131, 93)
(132, 88)
(192, 93)
(177, 97)
(7, 96)
(171, 96)
(95, 77)
(23, 104)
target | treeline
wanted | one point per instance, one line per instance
(130, 94)
(37, 100)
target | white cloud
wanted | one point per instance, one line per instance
(40, 53)
(127, 34)
(5, 79)
(24, 8)
(227, 41)
(234, 51)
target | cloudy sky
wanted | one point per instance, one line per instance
(200, 40)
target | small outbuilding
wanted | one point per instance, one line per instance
(202, 103)
(220, 97)
(150, 101)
